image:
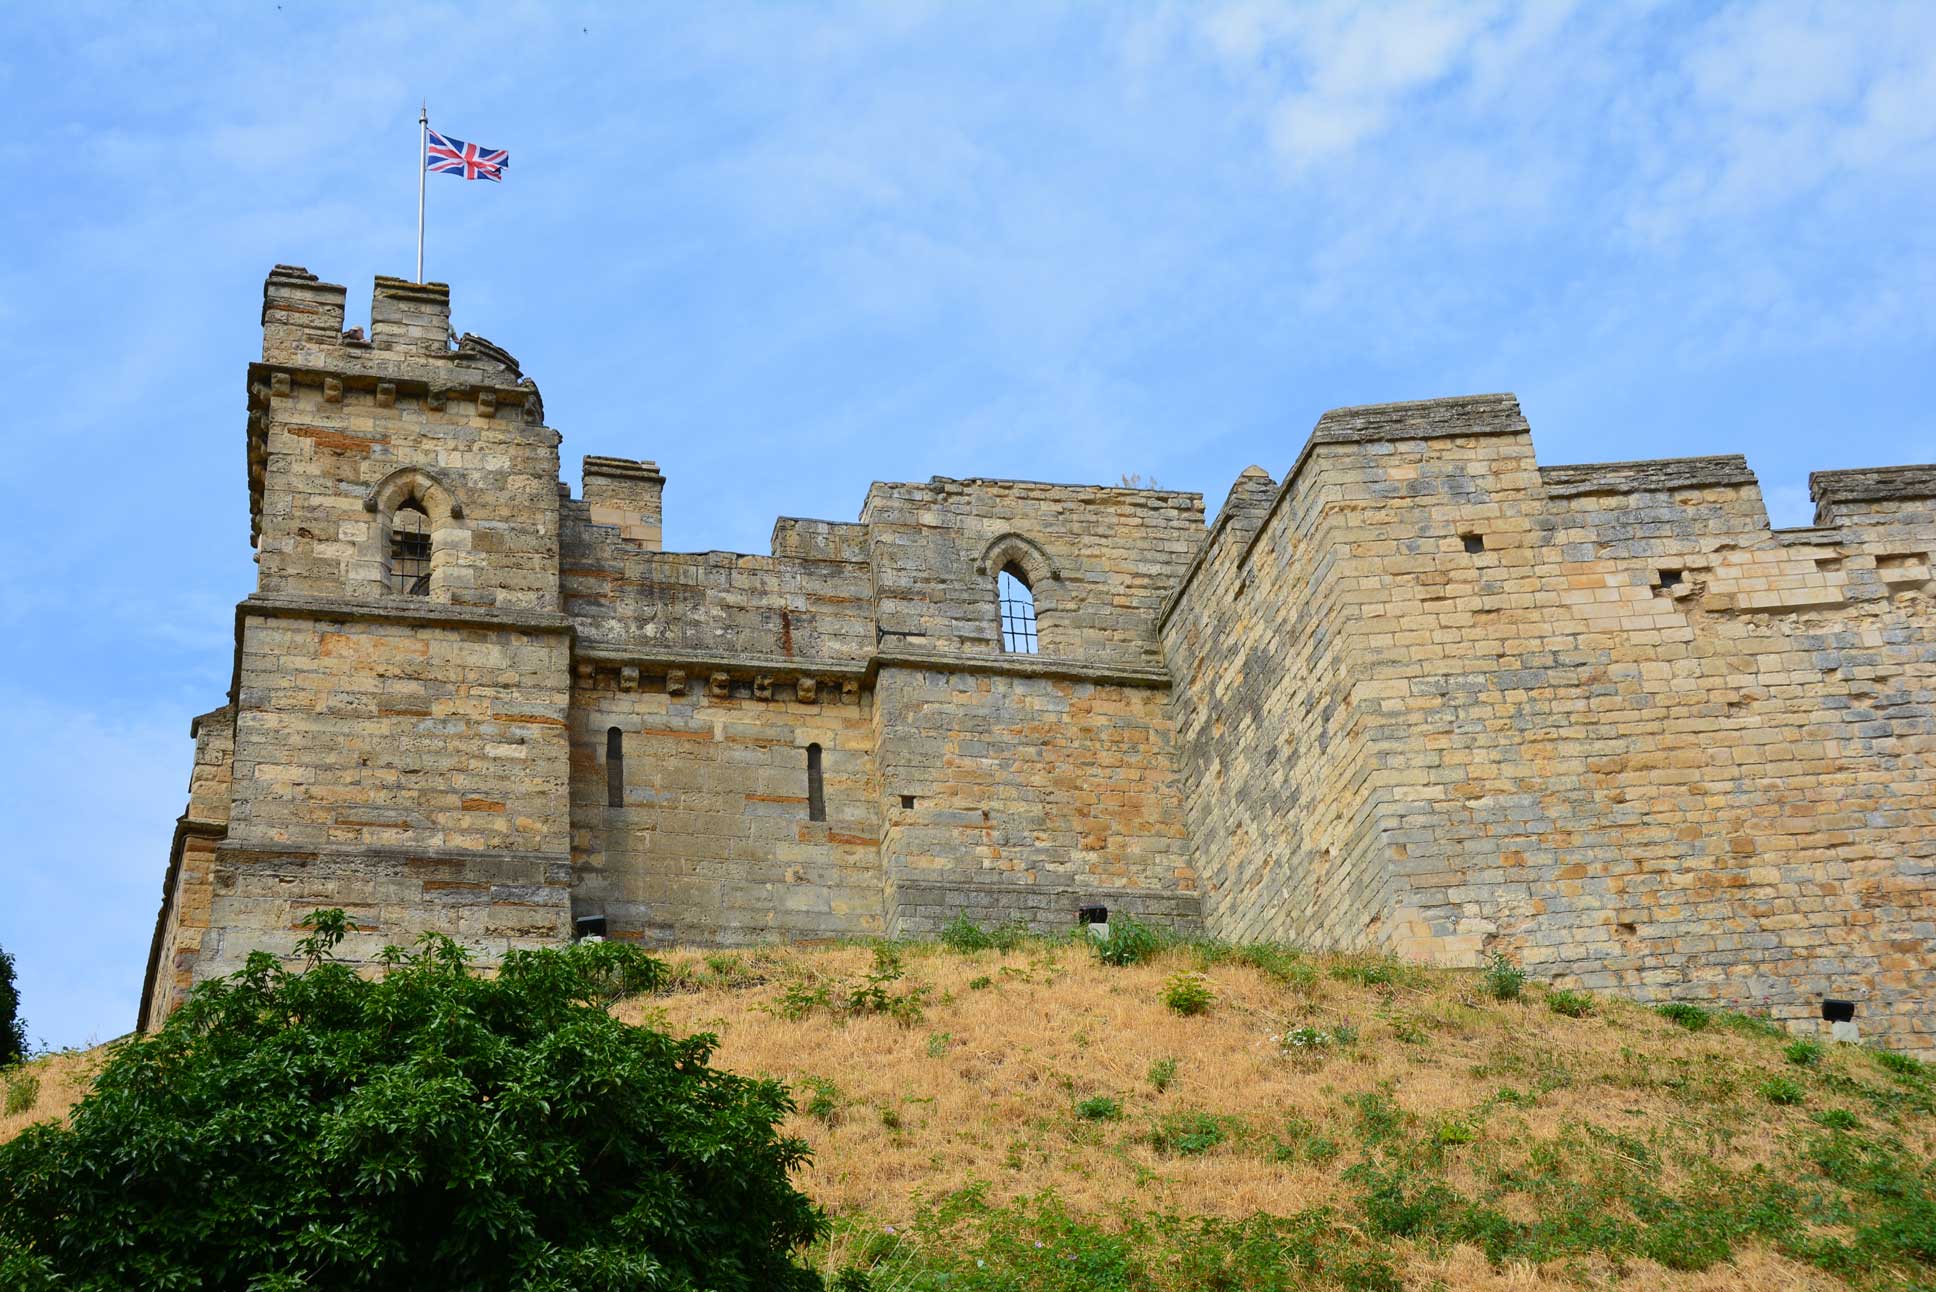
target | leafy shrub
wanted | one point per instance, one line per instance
(871, 995)
(1455, 1130)
(1504, 980)
(1781, 1090)
(23, 1092)
(1803, 1053)
(1188, 993)
(1682, 1014)
(429, 1129)
(1573, 1004)
(981, 982)
(1162, 1073)
(1099, 1108)
(1183, 1134)
(1130, 942)
(13, 1032)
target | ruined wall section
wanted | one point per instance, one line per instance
(1099, 561)
(711, 839)
(794, 611)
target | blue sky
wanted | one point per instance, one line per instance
(786, 251)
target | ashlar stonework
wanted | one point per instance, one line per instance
(1423, 695)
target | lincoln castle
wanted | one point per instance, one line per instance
(1421, 695)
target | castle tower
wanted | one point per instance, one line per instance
(395, 738)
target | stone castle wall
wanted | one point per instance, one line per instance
(1424, 696)
(1603, 719)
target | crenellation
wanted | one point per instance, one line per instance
(1422, 695)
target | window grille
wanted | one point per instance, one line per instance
(410, 551)
(1018, 612)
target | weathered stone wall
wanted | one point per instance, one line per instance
(1605, 720)
(711, 841)
(1018, 797)
(188, 889)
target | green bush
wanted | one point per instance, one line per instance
(13, 1031)
(1682, 1014)
(429, 1129)
(1504, 979)
(1188, 993)
(1186, 1133)
(1573, 1004)
(23, 1092)
(1162, 1073)
(1130, 942)
(981, 982)
(1099, 1108)
(1782, 1090)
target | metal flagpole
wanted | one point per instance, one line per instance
(423, 150)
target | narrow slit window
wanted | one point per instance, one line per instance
(816, 791)
(615, 768)
(1018, 612)
(410, 551)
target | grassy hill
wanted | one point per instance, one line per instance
(1028, 1116)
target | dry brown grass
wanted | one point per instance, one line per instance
(63, 1079)
(983, 1088)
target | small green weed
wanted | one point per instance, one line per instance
(981, 982)
(963, 934)
(1682, 1014)
(1100, 1108)
(1184, 1134)
(1903, 1065)
(1504, 980)
(1836, 1119)
(824, 1100)
(1189, 993)
(1803, 1053)
(938, 1043)
(1455, 1130)
(1301, 1142)
(1379, 1117)
(1573, 1004)
(1305, 1042)
(891, 1117)
(1782, 1091)
(1378, 971)
(1161, 1074)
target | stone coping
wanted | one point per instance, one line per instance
(787, 668)
(1647, 476)
(1873, 484)
(435, 614)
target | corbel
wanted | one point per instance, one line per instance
(332, 390)
(806, 688)
(628, 677)
(676, 681)
(487, 403)
(720, 685)
(386, 394)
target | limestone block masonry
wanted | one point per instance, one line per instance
(1424, 695)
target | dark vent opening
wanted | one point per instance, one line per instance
(615, 768)
(1670, 578)
(907, 800)
(1473, 542)
(816, 793)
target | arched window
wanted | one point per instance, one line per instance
(816, 790)
(1018, 610)
(614, 768)
(409, 568)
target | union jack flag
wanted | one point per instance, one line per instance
(447, 156)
